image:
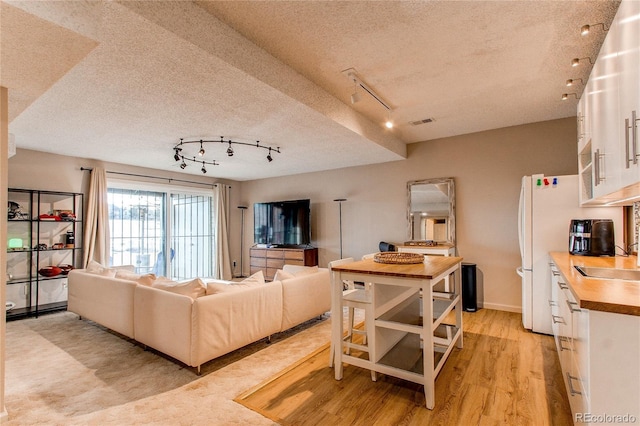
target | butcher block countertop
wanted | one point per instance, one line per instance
(608, 295)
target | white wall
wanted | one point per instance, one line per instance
(487, 168)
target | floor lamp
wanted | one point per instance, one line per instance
(242, 209)
(340, 200)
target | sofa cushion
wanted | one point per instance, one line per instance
(105, 271)
(299, 271)
(146, 279)
(218, 286)
(194, 288)
(282, 275)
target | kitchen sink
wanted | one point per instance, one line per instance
(609, 273)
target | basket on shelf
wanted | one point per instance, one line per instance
(398, 257)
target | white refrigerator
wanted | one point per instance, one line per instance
(547, 206)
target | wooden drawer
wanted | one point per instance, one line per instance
(258, 252)
(275, 254)
(294, 262)
(259, 262)
(294, 255)
(275, 263)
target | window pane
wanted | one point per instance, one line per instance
(137, 225)
(191, 236)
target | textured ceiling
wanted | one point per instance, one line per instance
(123, 81)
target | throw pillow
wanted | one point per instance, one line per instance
(257, 278)
(94, 266)
(217, 286)
(299, 271)
(146, 279)
(282, 275)
(194, 288)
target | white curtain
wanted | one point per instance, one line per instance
(96, 230)
(222, 262)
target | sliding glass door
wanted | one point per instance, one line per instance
(162, 232)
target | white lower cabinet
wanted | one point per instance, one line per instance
(599, 353)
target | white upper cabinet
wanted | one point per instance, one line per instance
(627, 24)
(602, 98)
(609, 114)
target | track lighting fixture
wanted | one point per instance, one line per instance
(180, 151)
(571, 81)
(565, 96)
(357, 81)
(576, 61)
(587, 28)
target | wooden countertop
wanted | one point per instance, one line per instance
(616, 296)
(431, 267)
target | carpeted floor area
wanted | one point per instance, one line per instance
(65, 371)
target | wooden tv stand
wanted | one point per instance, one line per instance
(269, 260)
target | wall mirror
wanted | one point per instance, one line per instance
(431, 210)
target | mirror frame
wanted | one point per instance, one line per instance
(451, 228)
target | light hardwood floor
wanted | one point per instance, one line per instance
(504, 375)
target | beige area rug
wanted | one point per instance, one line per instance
(65, 371)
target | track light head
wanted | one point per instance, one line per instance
(269, 156)
(201, 152)
(576, 61)
(183, 165)
(203, 169)
(176, 156)
(570, 82)
(230, 150)
(586, 29)
(565, 96)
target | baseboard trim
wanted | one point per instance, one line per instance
(499, 307)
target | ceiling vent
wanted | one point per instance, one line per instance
(418, 122)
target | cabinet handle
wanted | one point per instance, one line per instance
(571, 389)
(563, 339)
(596, 160)
(596, 167)
(555, 273)
(633, 159)
(553, 303)
(557, 320)
(571, 307)
(562, 285)
(634, 136)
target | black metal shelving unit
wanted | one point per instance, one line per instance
(33, 224)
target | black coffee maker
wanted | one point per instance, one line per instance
(592, 237)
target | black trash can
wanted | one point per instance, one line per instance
(469, 287)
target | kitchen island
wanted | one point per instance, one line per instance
(596, 325)
(401, 343)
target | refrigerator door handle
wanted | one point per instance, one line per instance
(520, 224)
(519, 271)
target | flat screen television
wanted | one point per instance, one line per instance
(282, 223)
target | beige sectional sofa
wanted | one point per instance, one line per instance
(193, 329)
